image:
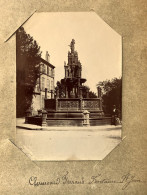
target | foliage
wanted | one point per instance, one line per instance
(112, 94)
(61, 89)
(27, 69)
(91, 93)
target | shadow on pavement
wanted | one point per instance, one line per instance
(115, 128)
(114, 137)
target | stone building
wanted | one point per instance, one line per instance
(45, 84)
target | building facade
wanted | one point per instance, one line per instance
(45, 84)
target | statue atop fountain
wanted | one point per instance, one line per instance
(73, 72)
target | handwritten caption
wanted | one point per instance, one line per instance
(66, 179)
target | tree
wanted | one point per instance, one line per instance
(27, 70)
(61, 89)
(91, 93)
(112, 94)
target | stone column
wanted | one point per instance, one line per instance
(57, 104)
(87, 93)
(44, 117)
(86, 118)
(66, 70)
(66, 92)
(51, 94)
(80, 95)
(78, 88)
(81, 98)
(57, 92)
(100, 96)
(100, 104)
(99, 92)
(28, 113)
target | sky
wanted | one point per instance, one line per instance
(99, 47)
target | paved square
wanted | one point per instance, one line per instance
(68, 143)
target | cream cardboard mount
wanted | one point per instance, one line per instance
(99, 49)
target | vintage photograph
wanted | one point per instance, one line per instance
(68, 87)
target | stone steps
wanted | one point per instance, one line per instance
(77, 121)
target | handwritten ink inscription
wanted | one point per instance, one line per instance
(125, 180)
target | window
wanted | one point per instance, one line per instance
(40, 67)
(52, 85)
(50, 73)
(47, 70)
(43, 84)
(53, 73)
(48, 84)
(43, 68)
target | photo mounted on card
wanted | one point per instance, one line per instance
(68, 87)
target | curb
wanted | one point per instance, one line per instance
(29, 128)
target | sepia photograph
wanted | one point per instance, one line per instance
(73, 93)
(68, 87)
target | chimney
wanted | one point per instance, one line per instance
(47, 57)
